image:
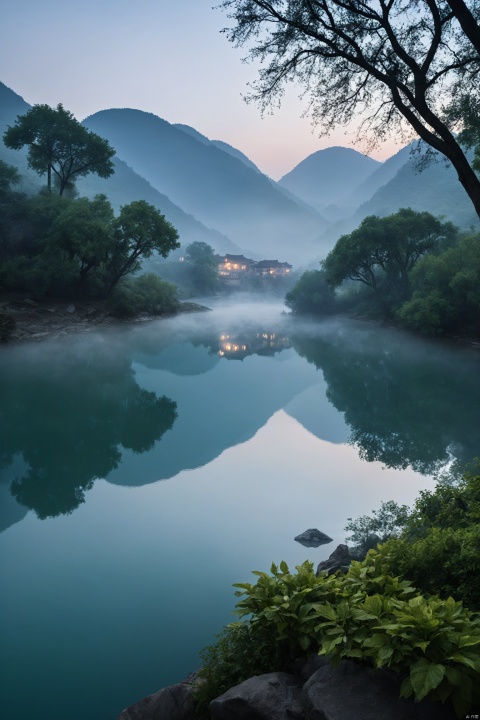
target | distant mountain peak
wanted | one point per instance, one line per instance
(327, 176)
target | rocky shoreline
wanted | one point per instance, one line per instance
(31, 320)
(318, 691)
(315, 690)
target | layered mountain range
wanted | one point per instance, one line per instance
(212, 192)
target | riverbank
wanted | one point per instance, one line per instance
(25, 319)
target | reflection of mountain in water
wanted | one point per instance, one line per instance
(220, 409)
(68, 416)
(404, 404)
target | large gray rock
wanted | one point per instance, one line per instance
(274, 696)
(174, 702)
(313, 538)
(340, 559)
(355, 691)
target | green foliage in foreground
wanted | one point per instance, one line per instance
(435, 544)
(439, 546)
(145, 294)
(370, 616)
(238, 653)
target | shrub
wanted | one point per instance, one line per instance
(238, 654)
(145, 294)
(311, 294)
(367, 531)
(435, 544)
(371, 616)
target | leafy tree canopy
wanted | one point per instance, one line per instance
(8, 176)
(59, 144)
(392, 64)
(203, 267)
(446, 291)
(311, 294)
(140, 230)
(383, 251)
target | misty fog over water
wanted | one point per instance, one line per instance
(144, 470)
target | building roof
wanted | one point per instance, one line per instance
(236, 258)
(272, 264)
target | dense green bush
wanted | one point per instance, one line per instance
(446, 291)
(374, 617)
(445, 562)
(439, 546)
(145, 294)
(435, 544)
(238, 653)
(311, 294)
(369, 530)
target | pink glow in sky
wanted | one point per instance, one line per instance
(167, 57)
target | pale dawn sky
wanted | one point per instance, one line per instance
(167, 57)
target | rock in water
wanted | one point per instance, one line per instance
(313, 538)
(339, 560)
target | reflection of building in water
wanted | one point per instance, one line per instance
(239, 345)
(235, 269)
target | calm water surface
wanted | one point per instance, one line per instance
(142, 472)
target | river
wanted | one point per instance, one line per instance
(143, 471)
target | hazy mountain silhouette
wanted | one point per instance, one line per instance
(219, 189)
(125, 185)
(328, 176)
(436, 190)
(12, 105)
(381, 176)
(219, 144)
(121, 188)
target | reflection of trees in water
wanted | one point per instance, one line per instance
(69, 418)
(405, 408)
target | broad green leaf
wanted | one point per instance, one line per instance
(422, 644)
(468, 660)
(376, 641)
(283, 567)
(326, 611)
(468, 641)
(453, 675)
(373, 605)
(305, 642)
(425, 676)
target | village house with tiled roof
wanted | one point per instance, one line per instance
(233, 269)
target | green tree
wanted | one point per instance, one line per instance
(140, 230)
(382, 252)
(200, 257)
(59, 144)
(446, 292)
(394, 63)
(8, 176)
(311, 294)
(83, 235)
